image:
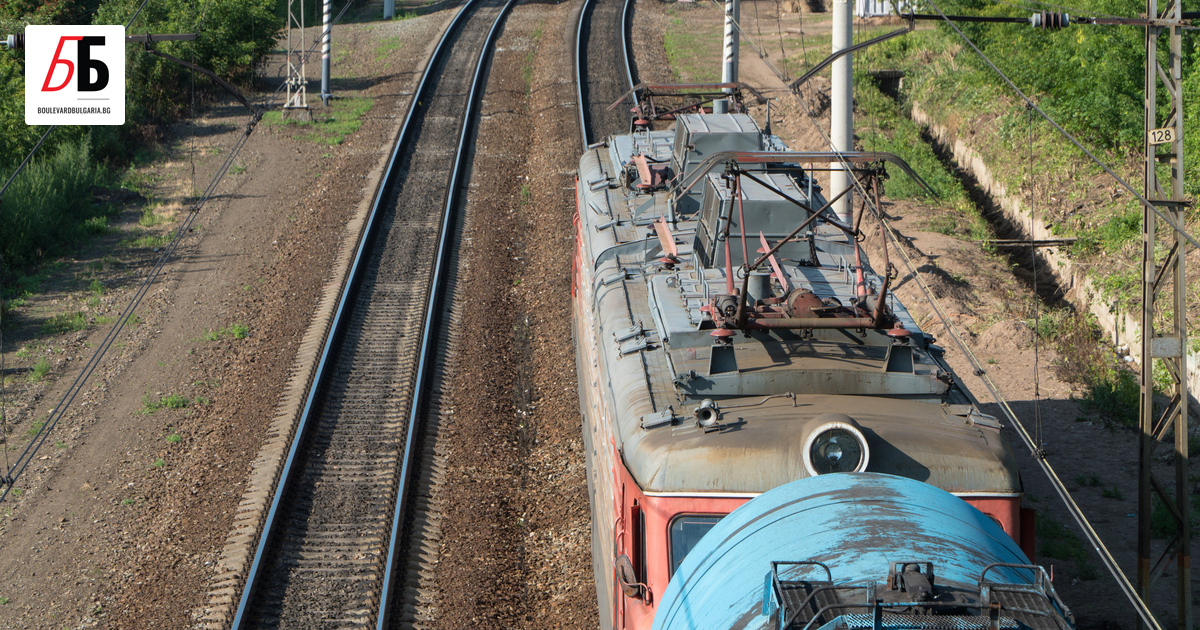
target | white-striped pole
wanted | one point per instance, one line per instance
(729, 66)
(326, 35)
(842, 106)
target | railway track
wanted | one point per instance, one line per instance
(341, 545)
(603, 68)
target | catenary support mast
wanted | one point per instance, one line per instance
(1164, 338)
(729, 62)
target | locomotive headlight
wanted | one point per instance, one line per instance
(837, 446)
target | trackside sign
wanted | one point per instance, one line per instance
(74, 75)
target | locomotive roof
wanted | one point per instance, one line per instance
(661, 361)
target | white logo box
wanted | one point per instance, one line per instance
(74, 75)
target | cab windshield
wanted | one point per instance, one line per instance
(686, 531)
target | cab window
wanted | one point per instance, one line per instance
(686, 531)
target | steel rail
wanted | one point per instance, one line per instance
(579, 53)
(581, 56)
(382, 194)
(433, 313)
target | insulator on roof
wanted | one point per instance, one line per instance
(15, 42)
(1047, 20)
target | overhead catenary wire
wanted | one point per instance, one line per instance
(1069, 10)
(1038, 455)
(1141, 199)
(26, 456)
(14, 471)
(1037, 303)
(51, 128)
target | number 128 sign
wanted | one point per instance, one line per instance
(74, 75)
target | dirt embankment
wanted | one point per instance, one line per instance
(126, 509)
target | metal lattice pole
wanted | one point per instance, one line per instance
(1166, 342)
(297, 81)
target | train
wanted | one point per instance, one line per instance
(732, 338)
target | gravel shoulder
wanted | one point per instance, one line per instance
(121, 523)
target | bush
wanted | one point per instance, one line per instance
(231, 36)
(45, 211)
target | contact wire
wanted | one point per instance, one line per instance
(1076, 512)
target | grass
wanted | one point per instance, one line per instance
(39, 371)
(687, 52)
(527, 64)
(1115, 394)
(64, 323)
(1088, 480)
(232, 331)
(1056, 541)
(96, 226)
(174, 438)
(1072, 194)
(1162, 523)
(150, 218)
(148, 241)
(169, 401)
(388, 46)
(330, 125)
(17, 492)
(35, 428)
(893, 131)
(158, 463)
(1112, 493)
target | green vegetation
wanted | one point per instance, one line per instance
(1056, 541)
(1087, 480)
(387, 46)
(170, 401)
(174, 438)
(232, 331)
(685, 51)
(150, 218)
(47, 211)
(41, 216)
(329, 125)
(65, 322)
(39, 371)
(1116, 394)
(1112, 493)
(149, 241)
(893, 131)
(1162, 522)
(1089, 80)
(158, 463)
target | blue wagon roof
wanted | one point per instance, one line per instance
(858, 525)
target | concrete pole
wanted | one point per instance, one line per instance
(326, 35)
(729, 66)
(842, 105)
(389, 9)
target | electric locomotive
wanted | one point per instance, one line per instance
(732, 337)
